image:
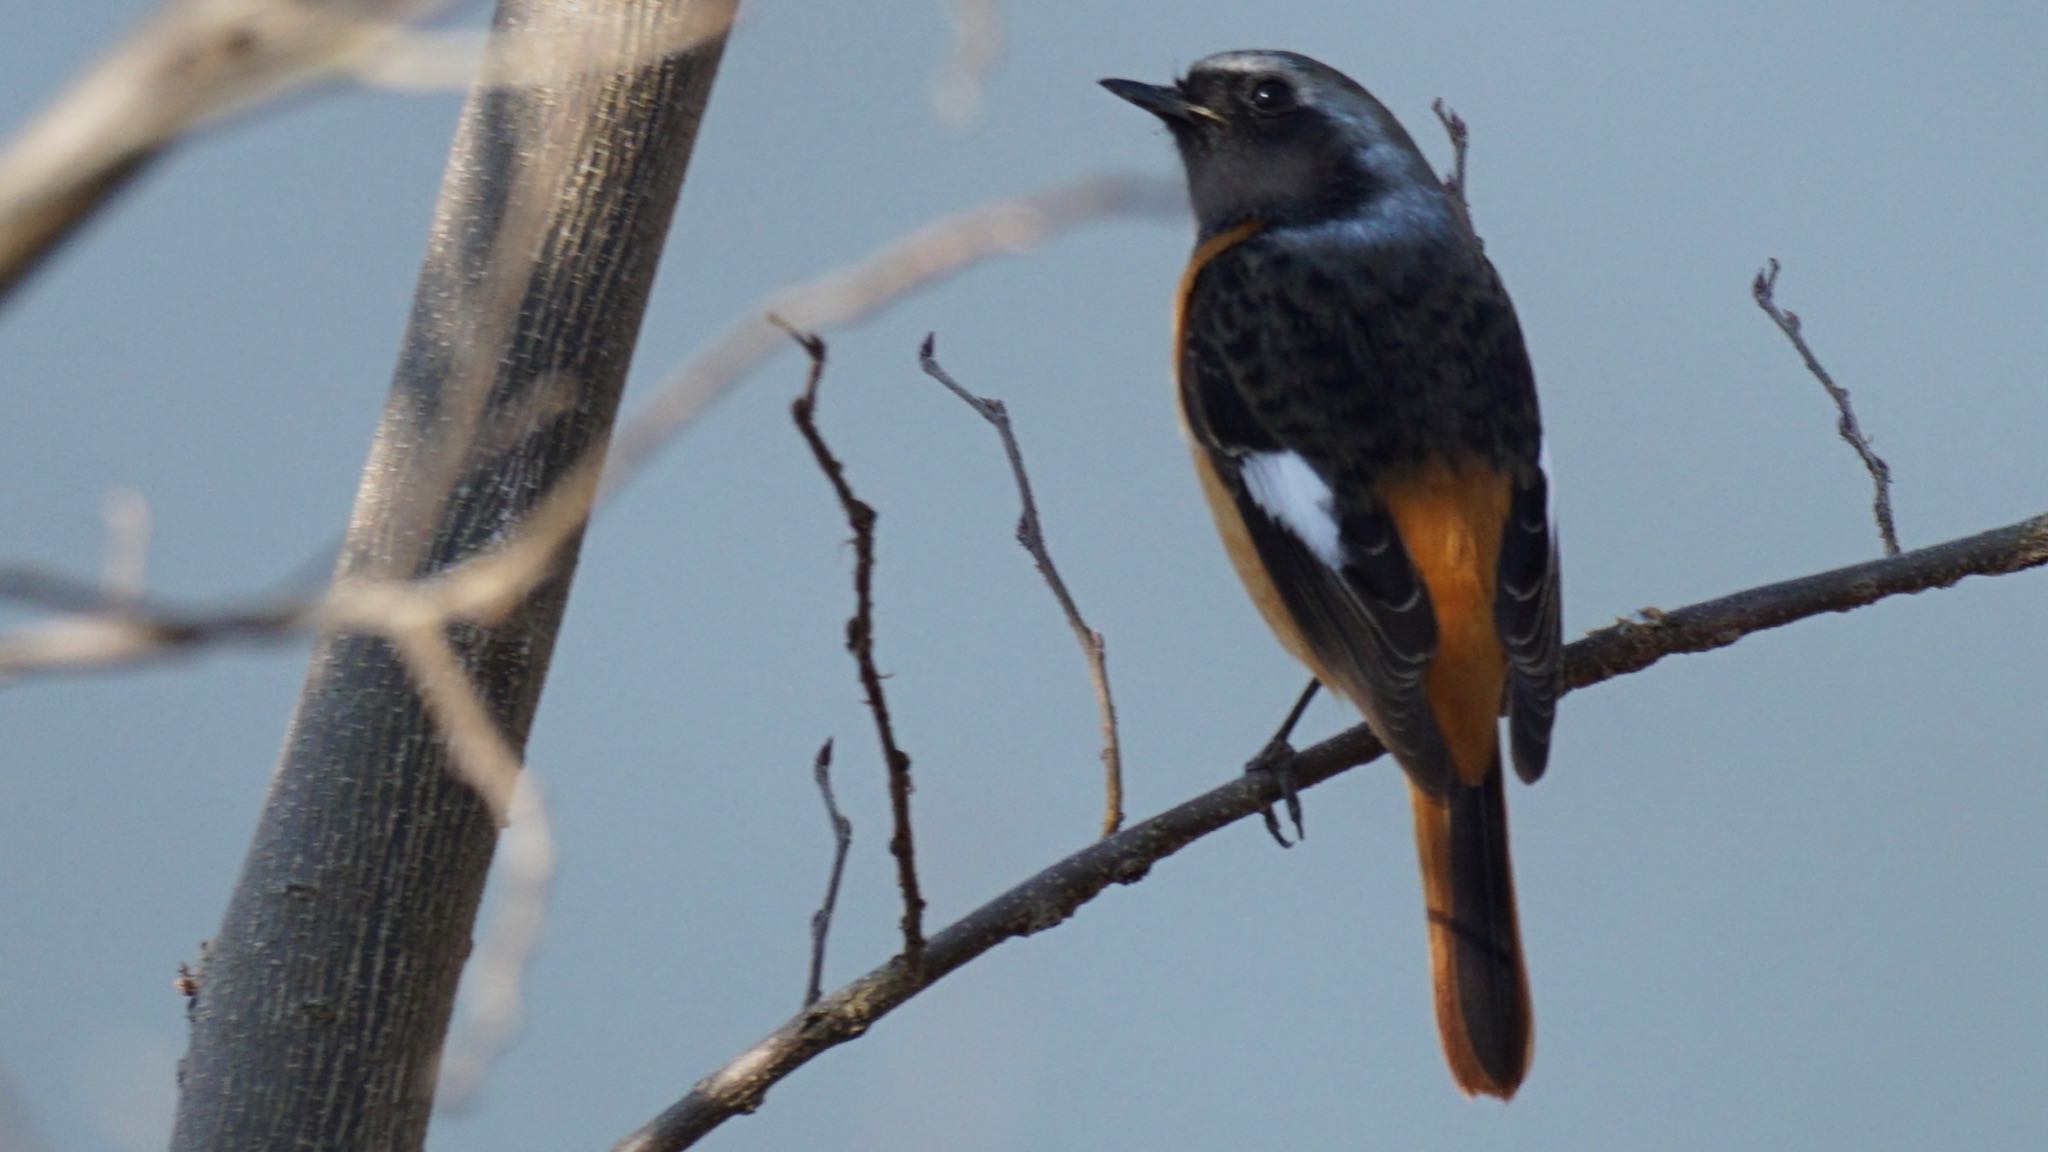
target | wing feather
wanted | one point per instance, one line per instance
(1528, 617)
(1362, 375)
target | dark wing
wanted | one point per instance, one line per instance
(1367, 620)
(1527, 609)
(1526, 614)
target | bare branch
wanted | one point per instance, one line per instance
(1765, 289)
(196, 62)
(193, 61)
(1047, 899)
(1031, 534)
(860, 640)
(842, 843)
(102, 630)
(977, 47)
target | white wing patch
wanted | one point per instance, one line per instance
(1291, 493)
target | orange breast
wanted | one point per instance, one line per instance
(1451, 514)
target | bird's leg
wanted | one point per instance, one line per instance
(1277, 760)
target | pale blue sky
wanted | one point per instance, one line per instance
(1787, 894)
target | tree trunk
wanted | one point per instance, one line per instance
(324, 999)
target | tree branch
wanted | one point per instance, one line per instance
(370, 859)
(1765, 290)
(195, 62)
(1031, 534)
(1047, 899)
(860, 640)
(189, 63)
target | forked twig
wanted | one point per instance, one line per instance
(1765, 289)
(860, 640)
(1031, 534)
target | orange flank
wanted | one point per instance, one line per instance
(1450, 515)
(1237, 539)
(1244, 557)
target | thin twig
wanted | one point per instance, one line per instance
(1031, 534)
(842, 843)
(1765, 289)
(1047, 899)
(1461, 140)
(860, 640)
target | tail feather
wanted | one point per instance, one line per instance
(1475, 945)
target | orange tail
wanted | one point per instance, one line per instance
(1475, 946)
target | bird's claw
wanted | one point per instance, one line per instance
(1277, 760)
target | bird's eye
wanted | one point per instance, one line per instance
(1272, 95)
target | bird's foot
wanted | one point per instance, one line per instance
(1276, 759)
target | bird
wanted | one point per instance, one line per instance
(1361, 408)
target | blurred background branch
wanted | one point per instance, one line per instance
(99, 630)
(195, 62)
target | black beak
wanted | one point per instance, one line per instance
(1166, 103)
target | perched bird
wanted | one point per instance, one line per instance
(1363, 418)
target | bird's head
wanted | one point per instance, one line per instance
(1281, 138)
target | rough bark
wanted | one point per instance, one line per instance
(323, 1001)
